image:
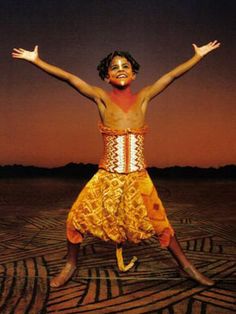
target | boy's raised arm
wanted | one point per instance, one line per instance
(33, 57)
(154, 89)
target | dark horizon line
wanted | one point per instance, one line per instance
(94, 164)
(82, 170)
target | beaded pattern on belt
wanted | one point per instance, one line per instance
(123, 150)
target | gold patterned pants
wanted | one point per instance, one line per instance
(119, 207)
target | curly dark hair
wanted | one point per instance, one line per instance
(104, 63)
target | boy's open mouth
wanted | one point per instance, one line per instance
(121, 76)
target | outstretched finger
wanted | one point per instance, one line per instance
(17, 50)
(16, 55)
(215, 43)
(216, 46)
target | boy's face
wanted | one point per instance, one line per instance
(120, 72)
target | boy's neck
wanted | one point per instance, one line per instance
(123, 98)
(125, 91)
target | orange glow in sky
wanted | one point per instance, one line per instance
(44, 122)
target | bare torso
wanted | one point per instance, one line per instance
(114, 114)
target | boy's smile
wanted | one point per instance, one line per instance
(120, 72)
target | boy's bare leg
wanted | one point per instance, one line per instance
(178, 254)
(70, 267)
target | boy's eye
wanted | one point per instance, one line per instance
(116, 67)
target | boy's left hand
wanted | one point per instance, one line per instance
(204, 50)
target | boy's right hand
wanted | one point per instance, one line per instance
(20, 53)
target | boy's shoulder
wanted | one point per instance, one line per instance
(100, 92)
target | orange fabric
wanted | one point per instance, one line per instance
(107, 130)
(119, 207)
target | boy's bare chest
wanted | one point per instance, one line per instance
(127, 103)
(122, 111)
(126, 113)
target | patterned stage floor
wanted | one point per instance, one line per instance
(32, 249)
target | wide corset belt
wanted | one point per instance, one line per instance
(123, 153)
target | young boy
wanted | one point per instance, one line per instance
(120, 202)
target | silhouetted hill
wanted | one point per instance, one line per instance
(228, 171)
(81, 170)
(69, 170)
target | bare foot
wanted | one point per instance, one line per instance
(64, 276)
(193, 273)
